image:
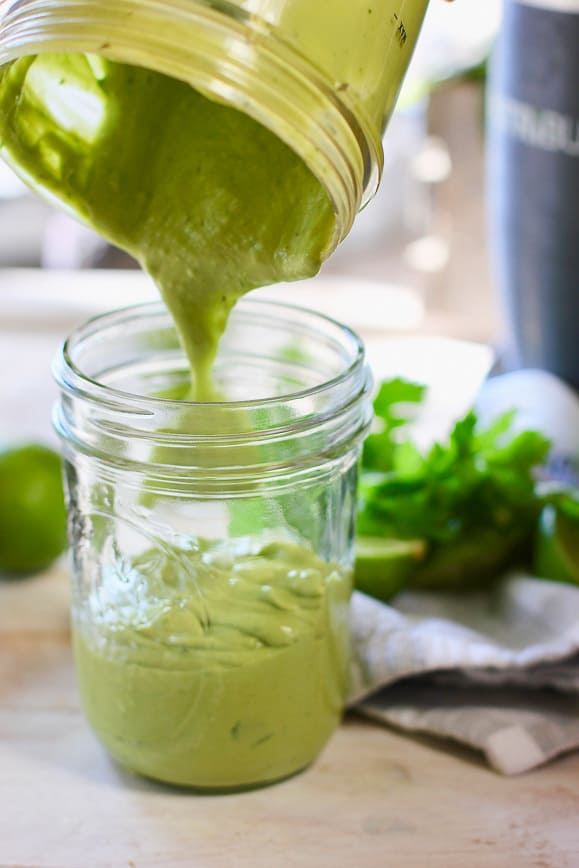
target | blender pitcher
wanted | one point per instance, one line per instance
(322, 76)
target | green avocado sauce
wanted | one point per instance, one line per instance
(216, 670)
(203, 669)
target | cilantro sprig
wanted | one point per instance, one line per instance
(472, 500)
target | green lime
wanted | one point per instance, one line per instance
(383, 565)
(32, 509)
(557, 546)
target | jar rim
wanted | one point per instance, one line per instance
(194, 446)
(72, 379)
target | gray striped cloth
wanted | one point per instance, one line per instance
(498, 671)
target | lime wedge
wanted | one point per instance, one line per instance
(383, 565)
(557, 546)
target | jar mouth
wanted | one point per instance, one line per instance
(230, 55)
(296, 385)
(71, 378)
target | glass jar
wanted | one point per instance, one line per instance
(213, 543)
(322, 76)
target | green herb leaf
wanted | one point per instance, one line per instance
(380, 446)
(475, 491)
(395, 392)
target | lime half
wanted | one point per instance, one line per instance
(383, 565)
(557, 546)
(32, 510)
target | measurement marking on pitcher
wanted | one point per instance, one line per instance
(401, 33)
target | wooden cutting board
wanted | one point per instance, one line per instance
(374, 799)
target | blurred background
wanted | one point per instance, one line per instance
(424, 233)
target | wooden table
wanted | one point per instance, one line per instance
(374, 799)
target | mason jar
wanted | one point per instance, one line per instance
(212, 544)
(323, 76)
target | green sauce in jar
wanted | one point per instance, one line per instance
(215, 669)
